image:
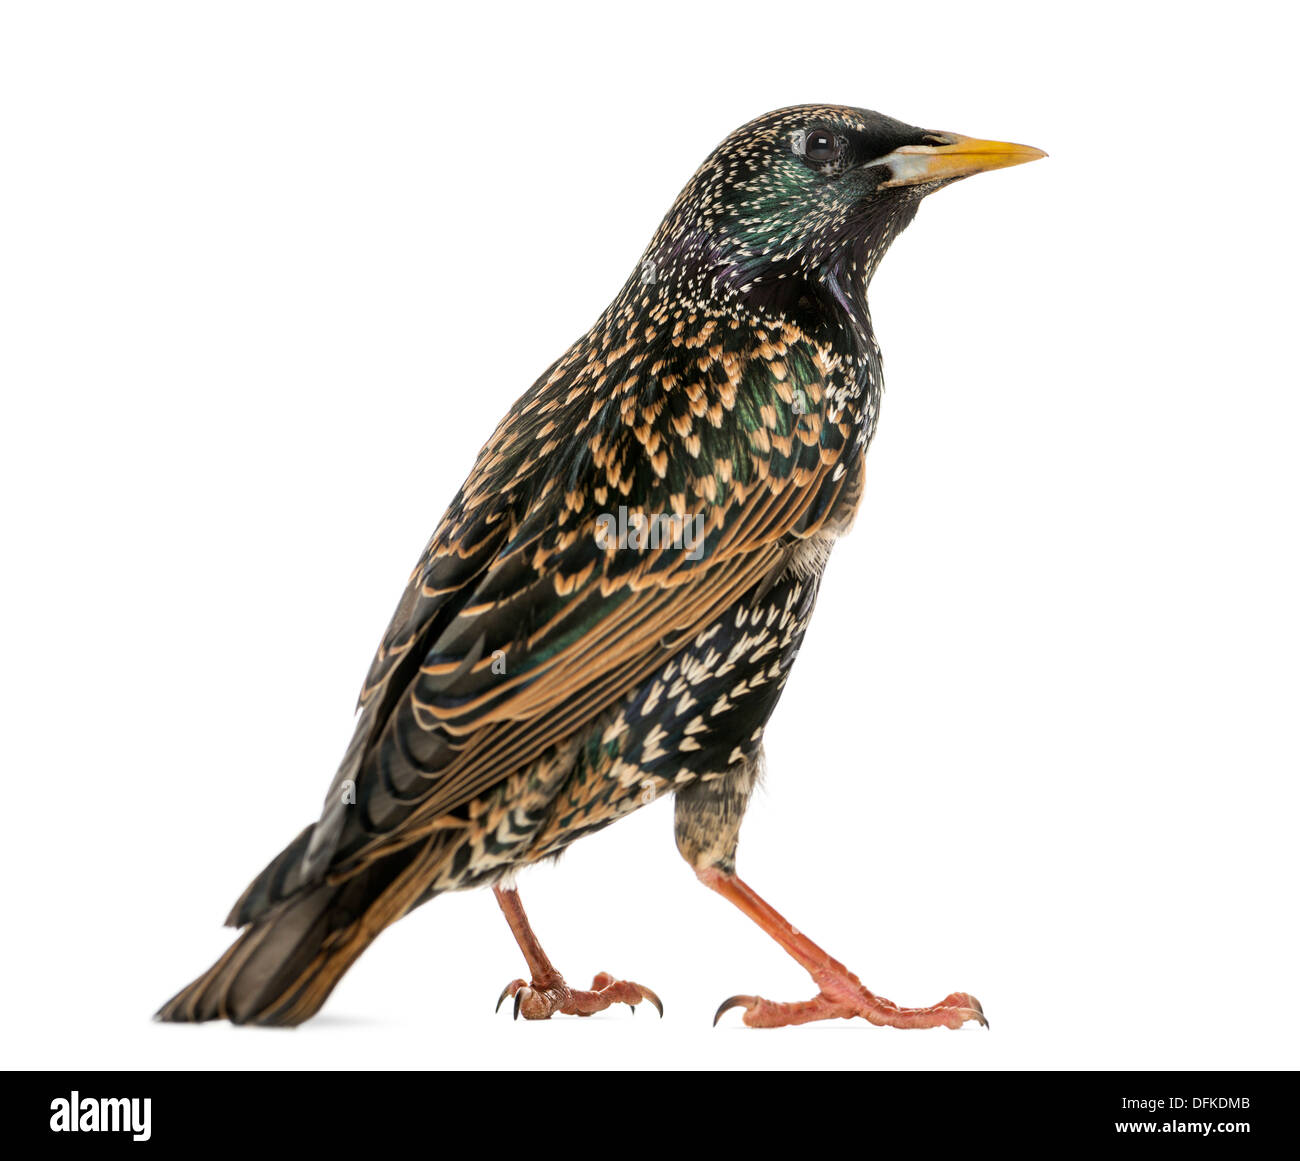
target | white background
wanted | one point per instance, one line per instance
(271, 273)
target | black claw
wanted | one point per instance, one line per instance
(727, 1005)
(633, 1007)
(519, 999)
(501, 999)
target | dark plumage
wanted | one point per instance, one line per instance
(540, 679)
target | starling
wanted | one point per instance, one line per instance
(610, 607)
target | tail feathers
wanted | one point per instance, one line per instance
(284, 966)
(281, 878)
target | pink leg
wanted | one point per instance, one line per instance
(841, 992)
(547, 993)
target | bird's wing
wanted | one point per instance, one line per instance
(522, 621)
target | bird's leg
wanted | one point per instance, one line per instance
(547, 993)
(841, 992)
(708, 817)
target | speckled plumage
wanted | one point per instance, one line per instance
(537, 683)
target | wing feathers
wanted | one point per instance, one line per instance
(518, 625)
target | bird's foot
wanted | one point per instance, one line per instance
(847, 998)
(841, 994)
(541, 999)
(548, 993)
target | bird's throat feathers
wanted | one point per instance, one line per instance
(745, 266)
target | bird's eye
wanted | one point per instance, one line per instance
(821, 145)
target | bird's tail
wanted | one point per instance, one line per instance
(283, 967)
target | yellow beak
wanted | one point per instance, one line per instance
(958, 157)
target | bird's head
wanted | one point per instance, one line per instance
(806, 193)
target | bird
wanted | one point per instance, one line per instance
(609, 609)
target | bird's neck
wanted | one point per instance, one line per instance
(845, 283)
(828, 304)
